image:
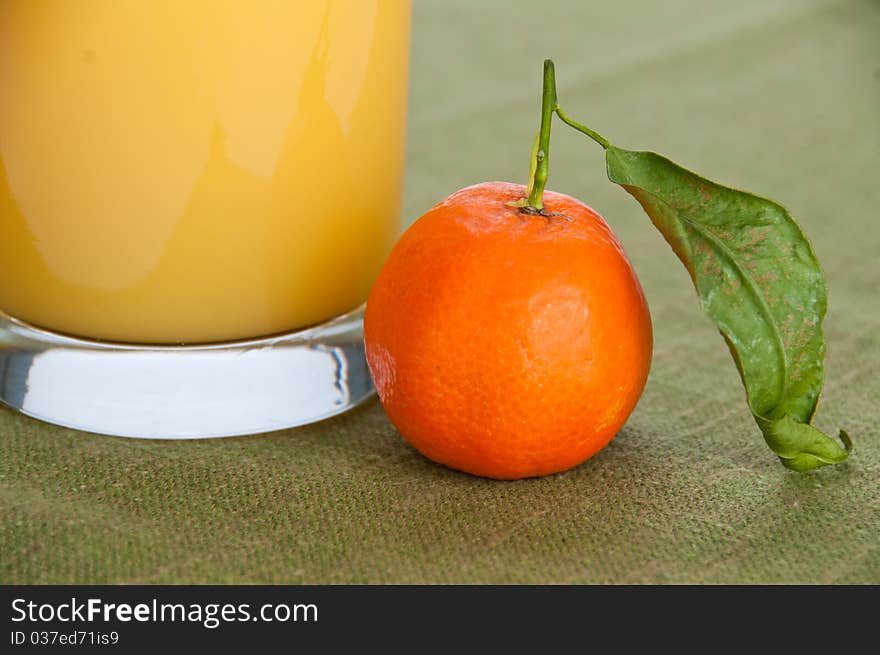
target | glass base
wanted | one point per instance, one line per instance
(185, 392)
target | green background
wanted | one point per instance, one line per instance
(778, 97)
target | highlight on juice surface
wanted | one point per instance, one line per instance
(199, 172)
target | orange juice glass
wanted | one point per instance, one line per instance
(195, 198)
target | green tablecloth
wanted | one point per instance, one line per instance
(779, 97)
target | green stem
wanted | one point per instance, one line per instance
(541, 166)
(595, 136)
(539, 169)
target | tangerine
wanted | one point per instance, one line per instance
(508, 343)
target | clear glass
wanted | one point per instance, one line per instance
(168, 392)
(195, 198)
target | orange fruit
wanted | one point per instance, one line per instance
(507, 344)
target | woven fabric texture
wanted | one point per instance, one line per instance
(779, 97)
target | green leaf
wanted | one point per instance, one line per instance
(759, 282)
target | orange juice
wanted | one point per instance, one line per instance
(197, 170)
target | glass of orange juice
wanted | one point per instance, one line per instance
(195, 198)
